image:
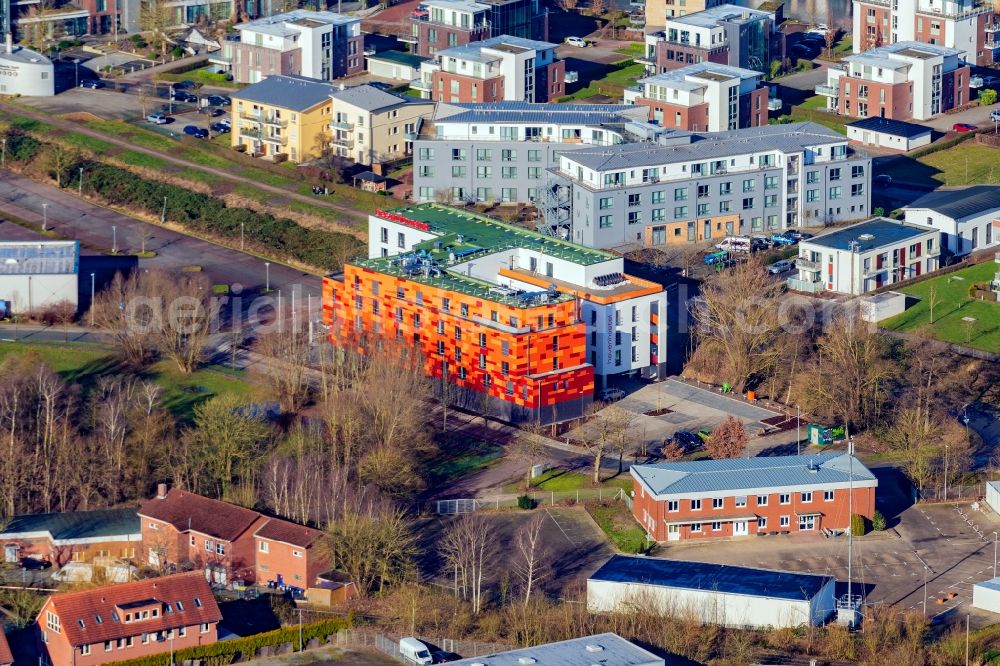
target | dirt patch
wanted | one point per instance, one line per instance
(81, 117)
(659, 412)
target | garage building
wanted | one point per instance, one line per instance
(396, 65)
(38, 275)
(887, 133)
(720, 594)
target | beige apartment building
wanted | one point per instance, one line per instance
(369, 125)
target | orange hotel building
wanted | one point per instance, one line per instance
(740, 497)
(531, 321)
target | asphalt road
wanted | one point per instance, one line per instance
(98, 228)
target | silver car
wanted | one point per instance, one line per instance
(779, 267)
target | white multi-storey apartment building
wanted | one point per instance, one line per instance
(696, 187)
(968, 25)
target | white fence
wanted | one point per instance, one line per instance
(469, 505)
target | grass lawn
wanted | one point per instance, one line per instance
(88, 143)
(200, 176)
(205, 158)
(617, 522)
(814, 102)
(459, 456)
(560, 480)
(844, 46)
(967, 164)
(141, 160)
(818, 115)
(953, 294)
(635, 50)
(613, 84)
(85, 363)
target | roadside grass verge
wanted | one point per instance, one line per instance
(558, 480)
(616, 521)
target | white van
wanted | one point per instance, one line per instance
(735, 244)
(414, 651)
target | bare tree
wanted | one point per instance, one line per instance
(287, 371)
(125, 310)
(465, 548)
(529, 449)
(530, 562)
(728, 440)
(932, 300)
(156, 18)
(58, 159)
(187, 318)
(737, 317)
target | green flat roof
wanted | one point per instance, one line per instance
(493, 235)
(401, 57)
(462, 284)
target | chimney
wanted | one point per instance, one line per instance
(161, 491)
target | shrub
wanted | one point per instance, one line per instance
(858, 524)
(244, 648)
(177, 52)
(525, 502)
(878, 521)
(987, 97)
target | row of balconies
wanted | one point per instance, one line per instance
(264, 119)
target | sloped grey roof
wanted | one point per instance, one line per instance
(371, 98)
(790, 138)
(962, 202)
(751, 474)
(298, 93)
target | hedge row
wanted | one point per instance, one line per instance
(228, 651)
(196, 211)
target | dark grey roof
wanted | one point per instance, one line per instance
(371, 98)
(76, 524)
(399, 57)
(529, 112)
(876, 232)
(789, 138)
(723, 578)
(961, 203)
(369, 176)
(889, 126)
(298, 93)
(745, 474)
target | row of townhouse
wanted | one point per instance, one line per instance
(299, 118)
(526, 322)
(966, 25)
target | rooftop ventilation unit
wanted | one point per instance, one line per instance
(866, 237)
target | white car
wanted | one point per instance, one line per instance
(611, 394)
(577, 41)
(156, 119)
(995, 116)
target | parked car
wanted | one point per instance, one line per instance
(804, 236)
(704, 434)
(963, 127)
(610, 394)
(442, 657)
(414, 652)
(196, 132)
(183, 96)
(93, 84)
(219, 128)
(158, 118)
(760, 242)
(180, 85)
(219, 100)
(226, 122)
(686, 440)
(577, 41)
(782, 239)
(779, 267)
(995, 116)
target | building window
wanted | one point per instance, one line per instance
(827, 495)
(807, 497)
(717, 502)
(836, 192)
(605, 222)
(52, 622)
(696, 505)
(783, 521)
(696, 527)
(740, 502)
(107, 646)
(761, 500)
(204, 627)
(761, 523)
(749, 185)
(784, 498)
(716, 526)
(85, 649)
(606, 203)
(296, 553)
(673, 506)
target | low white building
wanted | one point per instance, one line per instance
(395, 65)
(729, 596)
(38, 275)
(967, 217)
(993, 495)
(866, 256)
(25, 72)
(881, 132)
(986, 595)
(606, 649)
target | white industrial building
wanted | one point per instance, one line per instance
(38, 275)
(967, 217)
(730, 596)
(887, 133)
(986, 595)
(604, 649)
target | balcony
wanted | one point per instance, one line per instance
(808, 264)
(872, 272)
(827, 91)
(992, 43)
(280, 140)
(345, 142)
(252, 117)
(341, 125)
(808, 286)
(272, 120)
(420, 84)
(250, 133)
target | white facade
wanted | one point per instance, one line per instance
(953, 24)
(888, 140)
(713, 607)
(986, 595)
(312, 32)
(35, 276)
(25, 72)
(993, 495)
(866, 256)
(960, 236)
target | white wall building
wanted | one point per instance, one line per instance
(863, 257)
(886, 133)
(25, 72)
(38, 275)
(968, 218)
(729, 596)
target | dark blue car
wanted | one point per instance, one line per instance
(196, 132)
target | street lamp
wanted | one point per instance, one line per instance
(267, 276)
(91, 299)
(995, 536)
(114, 241)
(45, 216)
(798, 432)
(3, 156)
(76, 64)
(80, 188)
(241, 236)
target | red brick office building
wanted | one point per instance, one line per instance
(109, 624)
(751, 496)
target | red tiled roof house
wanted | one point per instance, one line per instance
(180, 528)
(288, 553)
(109, 624)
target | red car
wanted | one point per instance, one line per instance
(963, 127)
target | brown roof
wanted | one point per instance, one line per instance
(188, 511)
(5, 655)
(79, 611)
(281, 530)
